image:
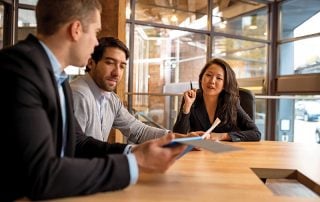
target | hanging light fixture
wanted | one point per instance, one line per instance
(174, 18)
(221, 21)
(253, 24)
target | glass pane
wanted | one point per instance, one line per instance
(161, 114)
(248, 59)
(164, 62)
(171, 56)
(260, 118)
(128, 10)
(1, 25)
(300, 57)
(30, 2)
(252, 25)
(299, 18)
(26, 23)
(299, 119)
(191, 14)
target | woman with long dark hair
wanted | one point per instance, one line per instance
(218, 97)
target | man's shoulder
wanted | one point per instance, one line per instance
(78, 83)
(27, 59)
(80, 86)
(24, 47)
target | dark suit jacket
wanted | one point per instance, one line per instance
(31, 135)
(198, 120)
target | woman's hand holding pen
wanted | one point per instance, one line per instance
(189, 97)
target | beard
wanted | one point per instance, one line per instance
(103, 84)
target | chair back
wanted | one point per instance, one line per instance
(248, 102)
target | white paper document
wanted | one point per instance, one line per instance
(210, 145)
(201, 142)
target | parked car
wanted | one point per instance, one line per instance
(308, 110)
(318, 134)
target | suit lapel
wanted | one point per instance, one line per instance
(45, 76)
(201, 113)
(70, 122)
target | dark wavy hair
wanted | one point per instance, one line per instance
(229, 97)
(104, 43)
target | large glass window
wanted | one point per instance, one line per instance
(299, 119)
(253, 24)
(26, 23)
(300, 57)
(171, 56)
(301, 54)
(191, 14)
(28, 2)
(298, 18)
(164, 62)
(248, 58)
(299, 68)
(170, 49)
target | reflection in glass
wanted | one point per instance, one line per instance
(260, 118)
(248, 59)
(26, 23)
(300, 57)
(252, 24)
(164, 62)
(302, 115)
(170, 56)
(29, 2)
(128, 10)
(156, 114)
(294, 22)
(1, 25)
(179, 13)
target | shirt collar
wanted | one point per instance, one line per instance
(59, 74)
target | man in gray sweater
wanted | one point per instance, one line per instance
(97, 107)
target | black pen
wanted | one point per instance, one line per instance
(191, 85)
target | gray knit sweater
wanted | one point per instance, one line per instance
(87, 103)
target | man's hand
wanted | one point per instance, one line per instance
(153, 157)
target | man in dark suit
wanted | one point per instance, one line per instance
(44, 153)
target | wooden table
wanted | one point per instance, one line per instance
(232, 176)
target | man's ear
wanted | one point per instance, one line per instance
(91, 63)
(75, 30)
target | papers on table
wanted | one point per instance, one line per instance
(200, 142)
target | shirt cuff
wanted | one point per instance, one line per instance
(234, 138)
(127, 149)
(133, 168)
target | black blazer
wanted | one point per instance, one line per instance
(198, 120)
(31, 135)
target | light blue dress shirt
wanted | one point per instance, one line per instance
(60, 77)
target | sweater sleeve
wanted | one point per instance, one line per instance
(247, 129)
(132, 128)
(182, 124)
